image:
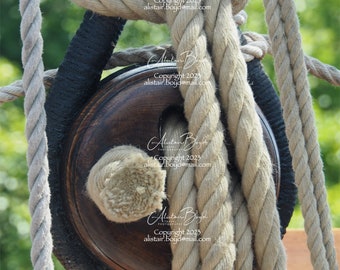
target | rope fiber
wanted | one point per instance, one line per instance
(38, 168)
(300, 128)
(243, 222)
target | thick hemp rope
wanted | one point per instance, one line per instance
(39, 200)
(294, 108)
(126, 184)
(245, 130)
(202, 111)
(125, 174)
(299, 118)
(204, 104)
(132, 10)
(188, 36)
(182, 195)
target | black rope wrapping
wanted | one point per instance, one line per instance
(268, 100)
(75, 82)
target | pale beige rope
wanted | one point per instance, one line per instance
(246, 133)
(300, 127)
(182, 195)
(246, 260)
(11, 92)
(323, 71)
(16, 89)
(201, 108)
(39, 199)
(150, 10)
(243, 233)
(126, 184)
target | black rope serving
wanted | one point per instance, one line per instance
(76, 81)
(268, 100)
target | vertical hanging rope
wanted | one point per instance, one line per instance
(245, 130)
(202, 111)
(299, 118)
(243, 233)
(191, 32)
(35, 133)
(182, 194)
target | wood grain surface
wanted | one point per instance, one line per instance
(298, 254)
(128, 109)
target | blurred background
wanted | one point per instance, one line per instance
(320, 25)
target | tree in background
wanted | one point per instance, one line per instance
(321, 39)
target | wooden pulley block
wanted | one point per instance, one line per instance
(86, 118)
(128, 109)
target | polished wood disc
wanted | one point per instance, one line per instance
(127, 109)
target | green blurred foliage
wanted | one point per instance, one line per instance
(321, 39)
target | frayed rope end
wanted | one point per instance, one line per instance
(126, 184)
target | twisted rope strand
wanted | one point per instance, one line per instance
(243, 234)
(150, 10)
(11, 92)
(322, 71)
(190, 38)
(35, 132)
(182, 195)
(299, 118)
(202, 112)
(15, 90)
(245, 129)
